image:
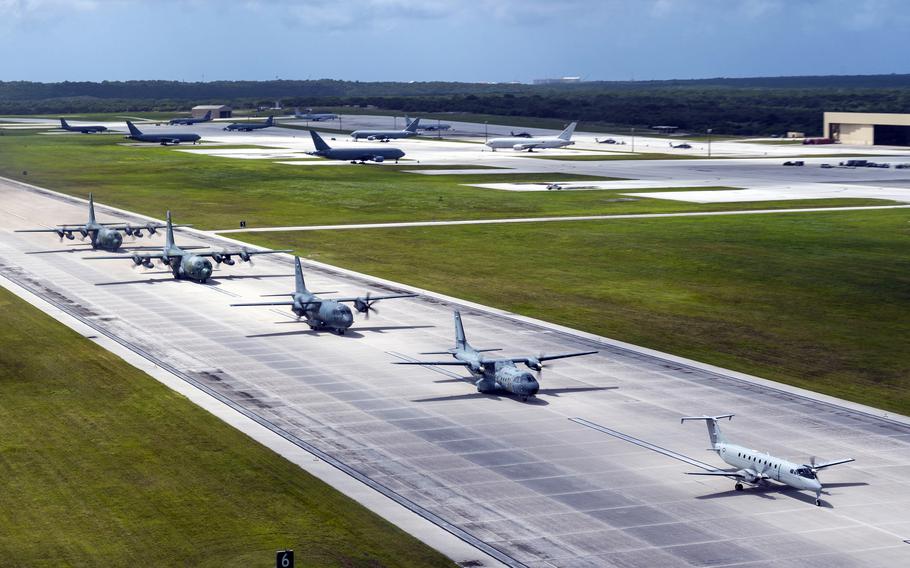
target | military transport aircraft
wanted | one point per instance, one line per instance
(410, 130)
(190, 120)
(314, 116)
(498, 374)
(105, 236)
(249, 126)
(757, 468)
(187, 265)
(83, 129)
(563, 139)
(430, 126)
(374, 154)
(163, 138)
(324, 313)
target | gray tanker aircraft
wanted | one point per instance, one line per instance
(314, 116)
(499, 374)
(190, 121)
(164, 138)
(530, 144)
(431, 126)
(83, 129)
(249, 126)
(410, 130)
(374, 154)
(105, 236)
(757, 468)
(186, 265)
(324, 313)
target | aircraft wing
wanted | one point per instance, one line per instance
(143, 256)
(60, 228)
(542, 358)
(122, 226)
(374, 298)
(736, 474)
(263, 304)
(241, 253)
(530, 146)
(449, 362)
(830, 463)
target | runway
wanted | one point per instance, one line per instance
(520, 477)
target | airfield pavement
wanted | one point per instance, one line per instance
(519, 477)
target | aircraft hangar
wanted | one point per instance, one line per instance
(870, 128)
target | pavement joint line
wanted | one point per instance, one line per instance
(316, 452)
(406, 224)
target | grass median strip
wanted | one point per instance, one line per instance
(104, 466)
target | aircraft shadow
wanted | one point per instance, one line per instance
(770, 491)
(491, 396)
(213, 281)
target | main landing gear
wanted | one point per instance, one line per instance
(738, 487)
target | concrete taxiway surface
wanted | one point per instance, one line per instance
(520, 477)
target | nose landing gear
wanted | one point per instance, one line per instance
(738, 487)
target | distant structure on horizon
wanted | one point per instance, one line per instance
(557, 81)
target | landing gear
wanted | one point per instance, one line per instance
(738, 487)
(818, 502)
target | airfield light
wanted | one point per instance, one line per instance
(709, 141)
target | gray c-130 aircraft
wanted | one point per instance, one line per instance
(496, 374)
(187, 265)
(105, 236)
(324, 313)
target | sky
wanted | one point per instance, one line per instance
(450, 40)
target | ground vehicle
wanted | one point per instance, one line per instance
(854, 163)
(818, 141)
(902, 166)
(826, 166)
(794, 163)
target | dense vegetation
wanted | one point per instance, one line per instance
(748, 106)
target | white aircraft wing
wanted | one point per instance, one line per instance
(830, 463)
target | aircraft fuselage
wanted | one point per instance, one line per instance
(757, 466)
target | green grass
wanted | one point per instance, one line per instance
(815, 300)
(104, 466)
(214, 192)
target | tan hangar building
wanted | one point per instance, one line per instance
(870, 128)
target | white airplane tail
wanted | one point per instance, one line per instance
(713, 428)
(567, 133)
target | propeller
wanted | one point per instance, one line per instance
(365, 306)
(151, 229)
(82, 232)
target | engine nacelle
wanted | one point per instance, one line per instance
(128, 230)
(229, 261)
(83, 232)
(361, 305)
(520, 147)
(69, 235)
(378, 159)
(534, 363)
(244, 256)
(150, 228)
(137, 260)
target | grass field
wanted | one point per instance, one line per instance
(818, 301)
(104, 466)
(213, 192)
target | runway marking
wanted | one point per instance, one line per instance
(552, 219)
(647, 445)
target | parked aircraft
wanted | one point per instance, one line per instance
(83, 129)
(520, 134)
(314, 116)
(431, 126)
(410, 130)
(164, 138)
(496, 374)
(190, 120)
(248, 126)
(375, 154)
(683, 146)
(529, 144)
(186, 265)
(105, 236)
(324, 313)
(757, 468)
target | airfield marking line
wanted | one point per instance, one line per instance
(551, 219)
(216, 404)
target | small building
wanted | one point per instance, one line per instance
(218, 111)
(869, 128)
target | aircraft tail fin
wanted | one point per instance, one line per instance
(567, 133)
(713, 428)
(91, 209)
(461, 341)
(208, 116)
(319, 142)
(299, 283)
(412, 127)
(133, 130)
(169, 235)
(63, 124)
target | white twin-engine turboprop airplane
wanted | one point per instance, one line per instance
(563, 139)
(756, 468)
